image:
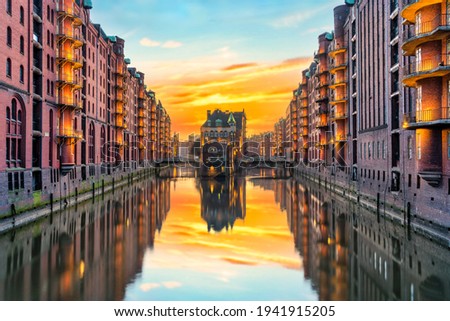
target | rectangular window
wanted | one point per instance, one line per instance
(409, 180)
(448, 144)
(410, 148)
(419, 146)
(418, 182)
(383, 147)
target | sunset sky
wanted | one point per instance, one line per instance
(206, 54)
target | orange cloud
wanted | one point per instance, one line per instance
(263, 90)
(239, 66)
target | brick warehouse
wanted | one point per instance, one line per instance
(373, 108)
(76, 114)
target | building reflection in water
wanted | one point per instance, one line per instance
(223, 201)
(350, 253)
(94, 250)
(90, 252)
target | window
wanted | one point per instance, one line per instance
(14, 134)
(22, 45)
(9, 37)
(22, 16)
(91, 143)
(8, 68)
(448, 144)
(410, 150)
(21, 74)
(8, 7)
(419, 146)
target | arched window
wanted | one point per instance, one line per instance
(9, 36)
(21, 74)
(22, 45)
(8, 7)
(22, 16)
(103, 144)
(91, 143)
(14, 151)
(8, 68)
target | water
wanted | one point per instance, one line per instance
(244, 238)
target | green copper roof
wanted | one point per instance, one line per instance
(127, 61)
(231, 119)
(329, 36)
(87, 4)
(137, 75)
(113, 38)
(349, 2)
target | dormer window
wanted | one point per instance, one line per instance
(218, 123)
(209, 122)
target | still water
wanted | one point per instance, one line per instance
(239, 238)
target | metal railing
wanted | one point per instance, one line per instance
(70, 133)
(428, 115)
(428, 65)
(426, 27)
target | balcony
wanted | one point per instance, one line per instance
(66, 56)
(37, 13)
(70, 12)
(339, 115)
(70, 102)
(341, 138)
(338, 82)
(304, 113)
(37, 40)
(426, 68)
(69, 35)
(68, 79)
(339, 66)
(437, 117)
(120, 122)
(412, 6)
(70, 133)
(37, 69)
(119, 96)
(339, 49)
(338, 100)
(436, 29)
(322, 123)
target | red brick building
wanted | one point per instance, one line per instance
(373, 116)
(75, 112)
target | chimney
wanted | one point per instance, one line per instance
(208, 113)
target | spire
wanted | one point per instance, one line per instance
(231, 120)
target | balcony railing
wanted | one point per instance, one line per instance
(427, 27)
(68, 78)
(428, 116)
(428, 65)
(70, 133)
(69, 101)
(339, 48)
(341, 138)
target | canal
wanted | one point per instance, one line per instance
(252, 237)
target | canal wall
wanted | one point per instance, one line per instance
(31, 210)
(383, 203)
